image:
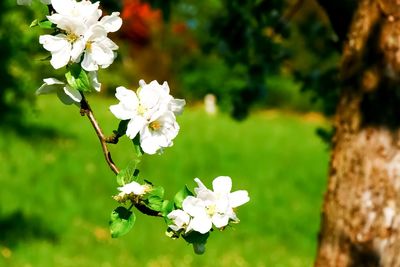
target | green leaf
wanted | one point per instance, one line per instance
(155, 203)
(121, 221)
(78, 79)
(181, 195)
(166, 208)
(138, 148)
(45, 24)
(198, 240)
(122, 127)
(154, 199)
(157, 191)
(34, 23)
(127, 175)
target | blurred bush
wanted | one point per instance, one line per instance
(19, 63)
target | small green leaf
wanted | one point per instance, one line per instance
(181, 195)
(138, 148)
(198, 240)
(196, 237)
(157, 191)
(127, 175)
(45, 24)
(154, 199)
(155, 203)
(34, 23)
(78, 79)
(121, 221)
(122, 127)
(166, 208)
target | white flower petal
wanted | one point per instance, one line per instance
(61, 6)
(73, 93)
(201, 224)
(222, 185)
(238, 198)
(111, 23)
(180, 218)
(88, 63)
(133, 188)
(149, 145)
(127, 96)
(77, 49)
(53, 43)
(194, 206)
(220, 220)
(60, 58)
(50, 85)
(120, 112)
(134, 126)
(64, 98)
(176, 106)
(94, 80)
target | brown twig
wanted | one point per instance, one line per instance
(86, 110)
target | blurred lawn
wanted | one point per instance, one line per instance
(56, 190)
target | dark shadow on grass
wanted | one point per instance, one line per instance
(19, 228)
(33, 131)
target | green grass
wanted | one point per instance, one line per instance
(56, 190)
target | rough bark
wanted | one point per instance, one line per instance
(361, 213)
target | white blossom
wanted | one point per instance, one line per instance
(151, 114)
(215, 207)
(81, 34)
(180, 219)
(134, 188)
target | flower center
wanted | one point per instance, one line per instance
(141, 110)
(210, 210)
(72, 37)
(155, 125)
(88, 46)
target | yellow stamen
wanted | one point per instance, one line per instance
(141, 110)
(72, 37)
(155, 125)
(210, 210)
(88, 45)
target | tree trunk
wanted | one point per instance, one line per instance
(361, 213)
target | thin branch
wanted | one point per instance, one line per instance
(86, 110)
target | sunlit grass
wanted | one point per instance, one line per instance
(56, 191)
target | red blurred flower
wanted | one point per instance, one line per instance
(139, 21)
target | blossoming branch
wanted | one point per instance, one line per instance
(79, 42)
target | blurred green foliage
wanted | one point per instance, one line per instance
(16, 62)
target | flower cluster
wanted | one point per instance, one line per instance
(151, 112)
(209, 207)
(81, 33)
